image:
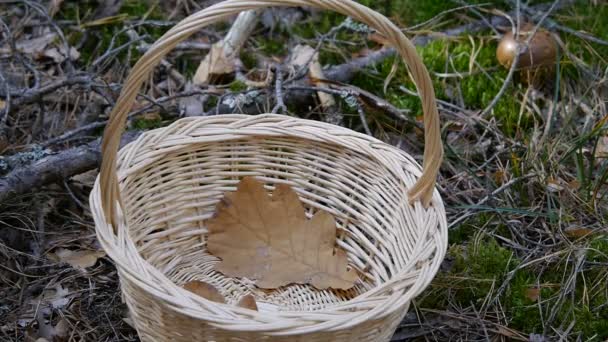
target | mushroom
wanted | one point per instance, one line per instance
(539, 55)
(541, 51)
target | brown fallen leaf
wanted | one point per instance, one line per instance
(204, 290)
(58, 55)
(77, 259)
(216, 64)
(248, 302)
(601, 151)
(533, 293)
(270, 240)
(554, 185)
(577, 233)
(47, 45)
(304, 56)
(45, 331)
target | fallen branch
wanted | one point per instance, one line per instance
(55, 168)
(33, 95)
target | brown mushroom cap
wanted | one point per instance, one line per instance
(542, 50)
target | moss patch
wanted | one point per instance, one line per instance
(480, 268)
(461, 68)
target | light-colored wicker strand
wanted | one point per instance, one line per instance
(172, 178)
(433, 152)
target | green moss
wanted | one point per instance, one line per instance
(598, 249)
(275, 46)
(523, 310)
(486, 260)
(143, 123)
(483, 265)
(101, 31)
(309, 29)
(187, 67)
(141, 8)
(592, 326)
(465, 231)
(336, 52)
(249, 60)
(480, 81)
(237, 86)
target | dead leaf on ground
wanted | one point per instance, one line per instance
(57, 297)
(601, 151)
(87, 178)
(574, 184)
(577, 233)
(248, 302)
(270, 240)
(533, 293)
(205, 290)
(216, 65)
(78, 259)
(304, 56)
(58, 55)
(52, 298)
(554, 185)
(45, 331)
(35, 46)
(47, 45)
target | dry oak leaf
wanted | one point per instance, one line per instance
(248, 302)
(270, 239)
(205, 290)
(78, 259)
(208, 291)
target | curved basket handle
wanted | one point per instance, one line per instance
(433, 151)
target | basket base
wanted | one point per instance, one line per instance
(178, 327)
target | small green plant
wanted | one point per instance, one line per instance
(237, 86)
(147, 123)
(598, 249)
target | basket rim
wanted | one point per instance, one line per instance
(130, 263)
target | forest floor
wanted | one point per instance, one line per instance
(523, 180)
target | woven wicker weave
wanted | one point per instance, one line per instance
(152, 198)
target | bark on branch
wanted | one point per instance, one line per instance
(55, 168)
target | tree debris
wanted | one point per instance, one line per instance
(223, 58)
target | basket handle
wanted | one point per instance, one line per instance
(433, 151)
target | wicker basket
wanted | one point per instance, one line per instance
(152, 200)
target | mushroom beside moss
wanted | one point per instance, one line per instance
(536, 60)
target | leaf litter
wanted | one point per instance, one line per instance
(210, 292)
(80, 259)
